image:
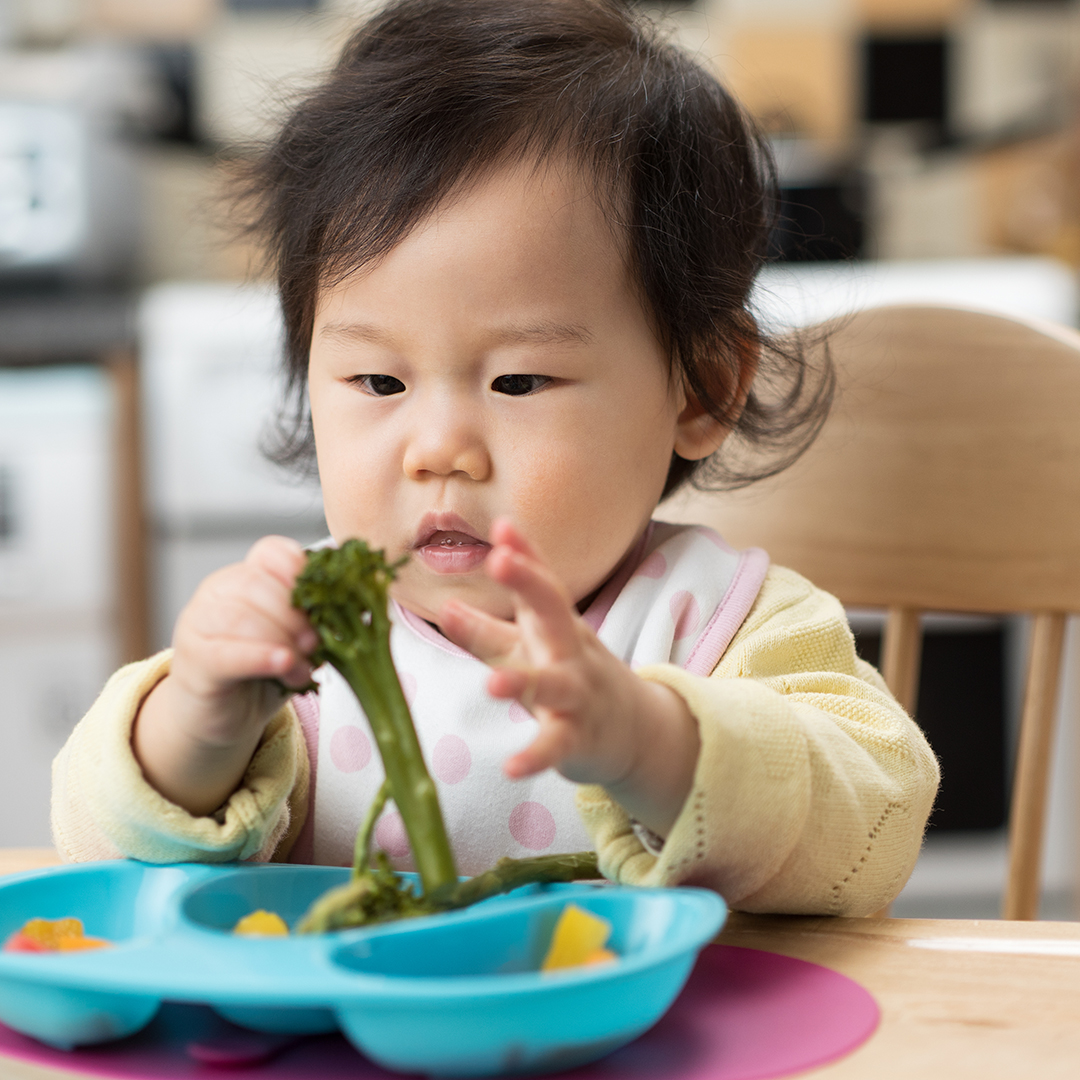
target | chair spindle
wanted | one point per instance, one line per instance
(1031, 781)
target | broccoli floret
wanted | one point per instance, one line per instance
(344, 592)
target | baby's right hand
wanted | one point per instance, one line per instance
(240, 626)
(198, 728)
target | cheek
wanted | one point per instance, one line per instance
(583, 503)
(331, 449)
(349, 470)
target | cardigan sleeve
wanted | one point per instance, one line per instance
(813, 786)
(104, 808)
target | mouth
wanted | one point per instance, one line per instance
(448, 544)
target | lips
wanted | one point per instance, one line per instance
(448, 544)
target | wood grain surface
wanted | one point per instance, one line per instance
(946, 478)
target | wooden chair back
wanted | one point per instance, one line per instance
(947, 478)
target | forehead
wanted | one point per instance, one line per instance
(523, 234)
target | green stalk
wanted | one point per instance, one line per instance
(362, 848)
(410, 783)
(509, 874)
(344, 592)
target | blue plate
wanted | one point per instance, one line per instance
(450, 995)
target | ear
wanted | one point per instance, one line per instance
(698, 433)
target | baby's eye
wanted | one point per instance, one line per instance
(516, 385)
(378, 385)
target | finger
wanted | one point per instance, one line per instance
(537, 590)
(283, 559)
(550, 747)
(279, 555)
(298, 676)
(518, 683)
(221, 663)
(246, 600)
(517, 558)
(504, 531)
(538, 688)
(486, 637)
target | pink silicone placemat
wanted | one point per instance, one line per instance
(743, 1015)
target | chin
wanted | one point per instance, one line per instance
(428, 602)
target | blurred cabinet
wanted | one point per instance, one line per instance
(794, 79)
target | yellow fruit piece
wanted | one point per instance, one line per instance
(46, 932)
(579, 939)
(60, 935)
(262, 924)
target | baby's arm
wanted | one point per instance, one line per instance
(813, 786)
(599, 723)
(103, 805)
(801, 787)
(198, 728)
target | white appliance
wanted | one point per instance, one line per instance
(57, 635)
(212, 377)
(68, 177)
(1026, 287)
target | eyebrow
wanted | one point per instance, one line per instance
(543, 333)
(366, 332)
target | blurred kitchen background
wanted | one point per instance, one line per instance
(928, 150)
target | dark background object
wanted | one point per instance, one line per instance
(821, 221)
(961, 708)
(7, 504)
(174, 66)
(65, 325)
(906, 79)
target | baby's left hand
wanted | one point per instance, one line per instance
(599, 723)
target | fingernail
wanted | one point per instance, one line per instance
(281, 659)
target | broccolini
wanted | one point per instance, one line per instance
(344, 592)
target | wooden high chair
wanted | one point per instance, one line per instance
(947, 478)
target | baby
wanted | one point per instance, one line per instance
(515, 245)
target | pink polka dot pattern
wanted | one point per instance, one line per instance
(685, 613)
(518, 713)
(451, 760)
(532, 825)
(655, 566)
(390, 835)
(350, 749)
(408, 685)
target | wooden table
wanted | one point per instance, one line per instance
(960, 999)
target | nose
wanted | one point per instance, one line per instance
(447, 438)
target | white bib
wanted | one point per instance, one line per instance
(679, 597)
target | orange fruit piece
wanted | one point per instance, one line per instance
(599, 956)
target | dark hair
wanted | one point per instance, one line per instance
(430, 93)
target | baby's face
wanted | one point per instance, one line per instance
(497, 362)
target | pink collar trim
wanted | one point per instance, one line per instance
(731, 613)
(422, 628)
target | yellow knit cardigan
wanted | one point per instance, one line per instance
(810, 796)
